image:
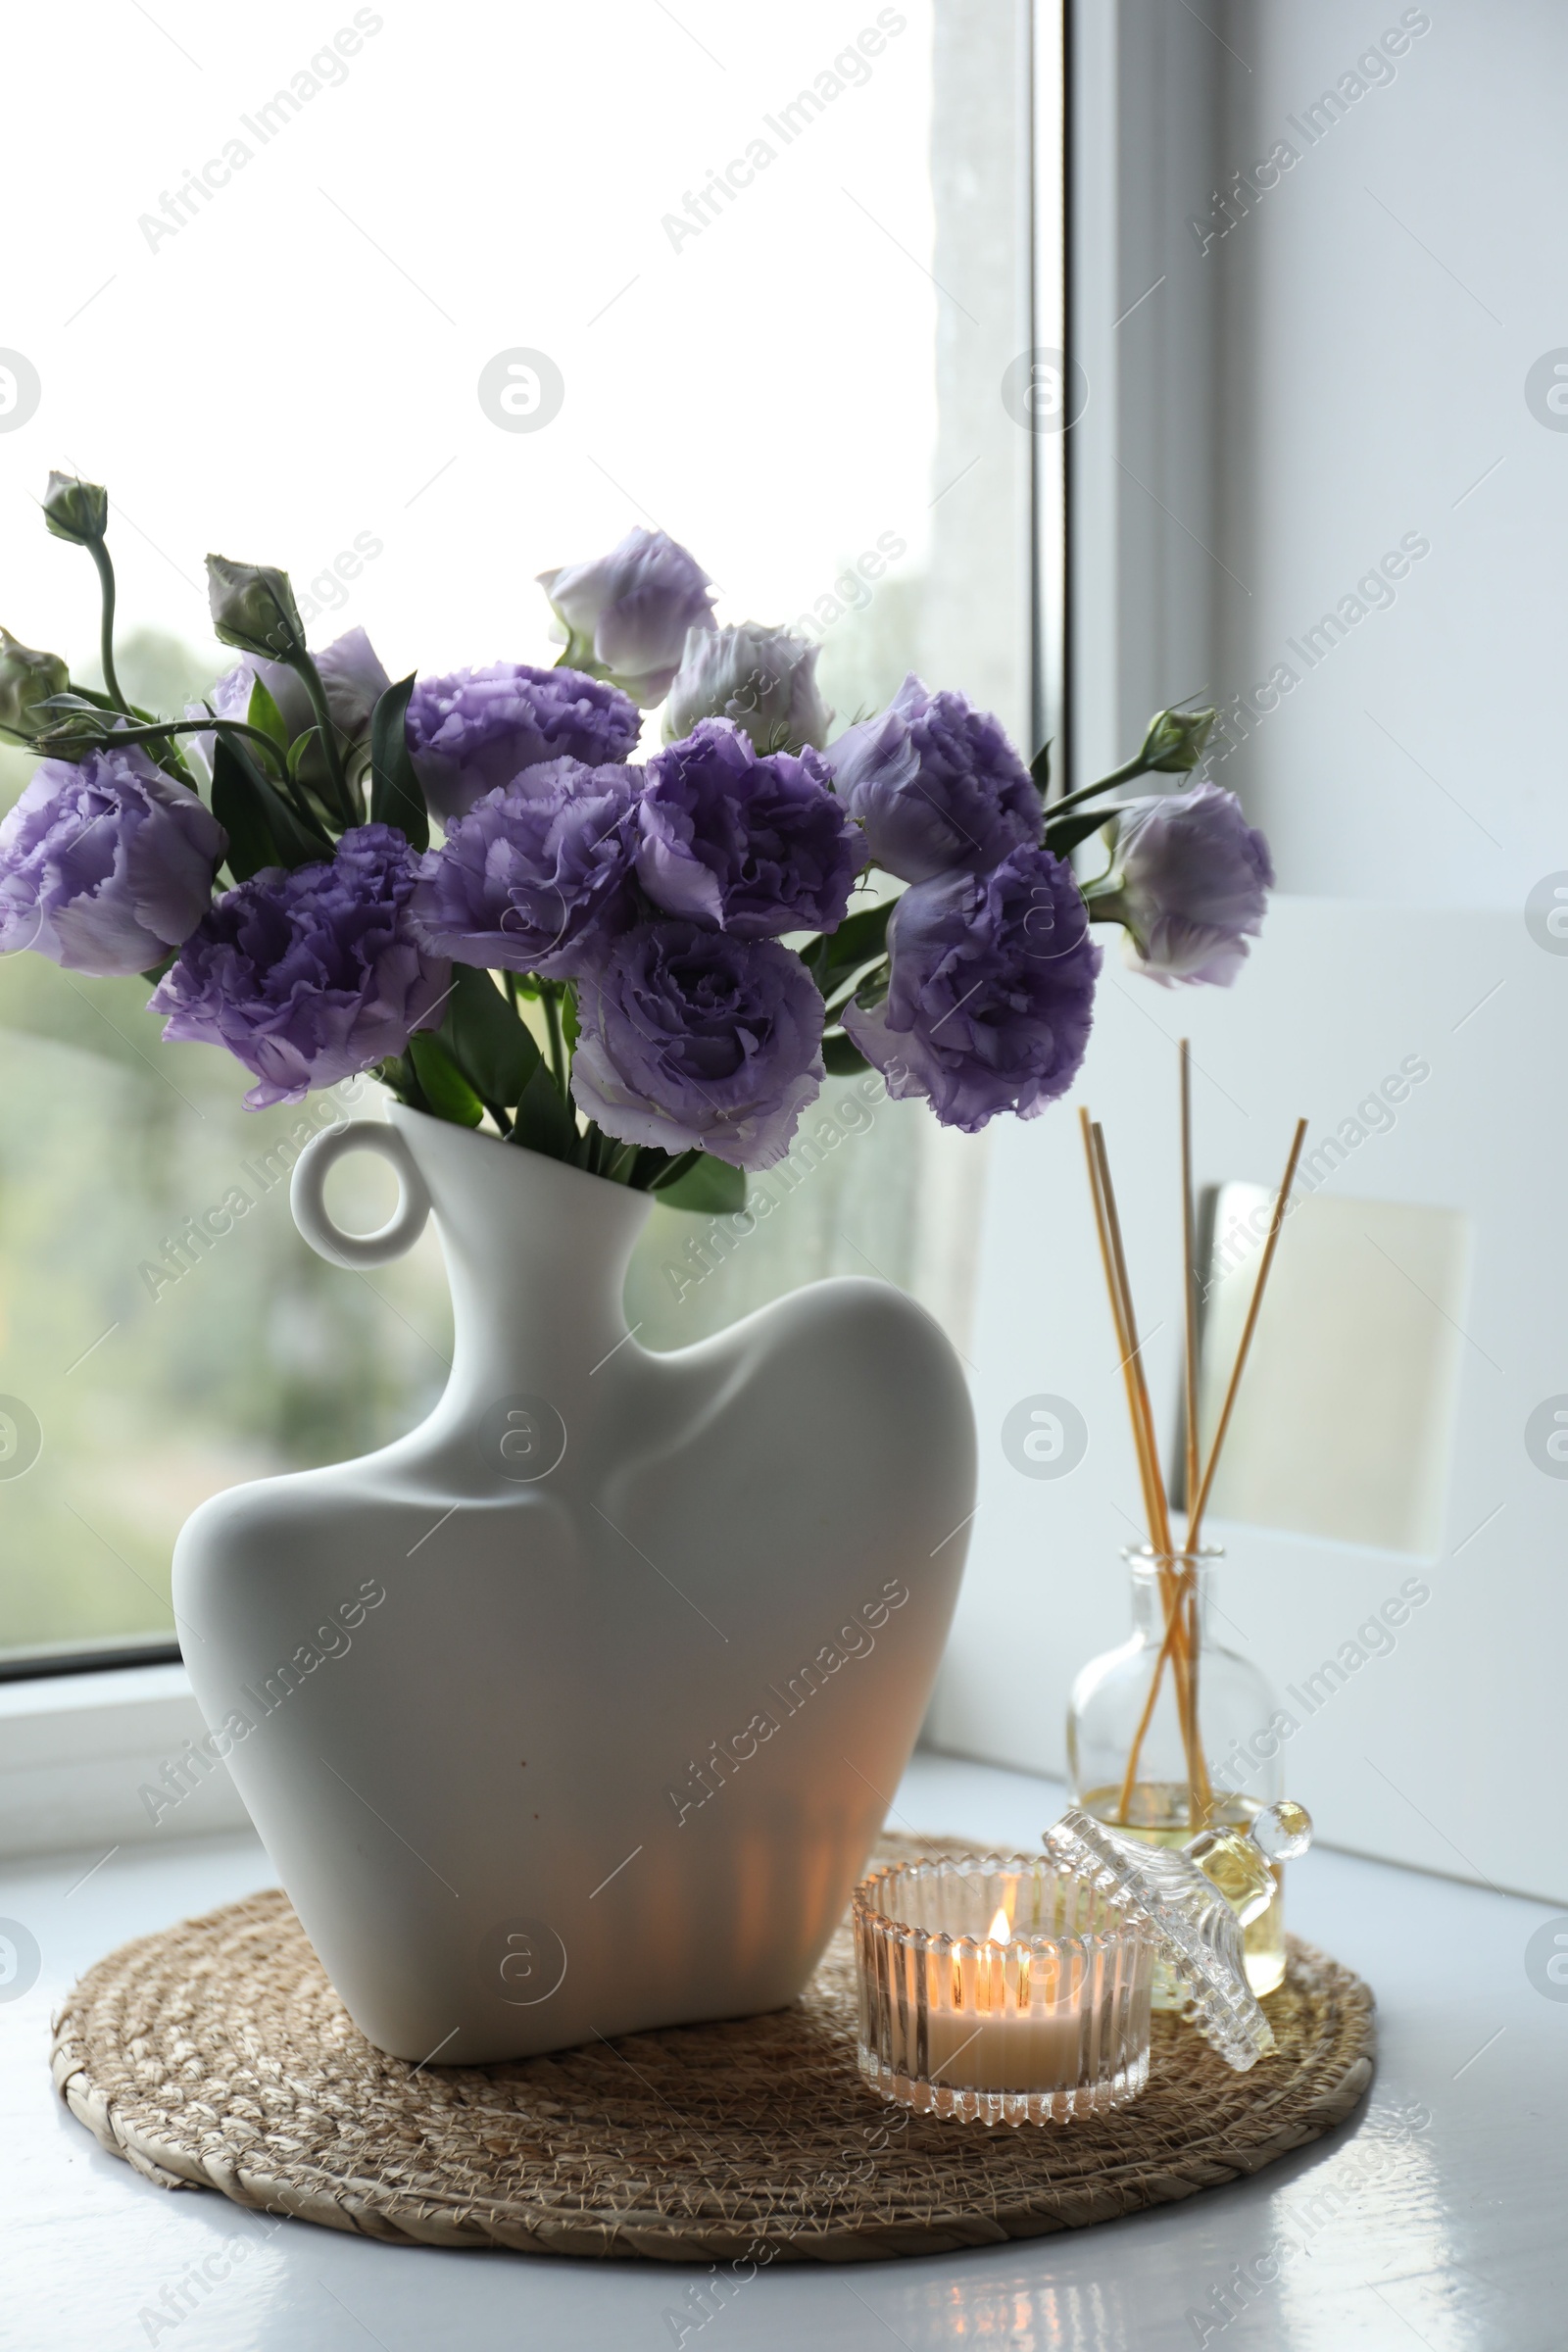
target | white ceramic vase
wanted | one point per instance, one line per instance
(576, 1710)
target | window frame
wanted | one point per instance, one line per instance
(31, 1665)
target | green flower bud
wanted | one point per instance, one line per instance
(72, 729)
(25, 679)
(253, 607)
(1175, 740)
(75, 509)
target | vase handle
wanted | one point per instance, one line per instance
(306, 1196)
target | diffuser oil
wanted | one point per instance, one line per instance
(1112, 1724)
(1158, 1814)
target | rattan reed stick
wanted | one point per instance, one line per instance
(1147, 1473)
(1189, 1279)
(1170, 1584)
(1159, 1528)
(1176, 1630)
(1190, 1353)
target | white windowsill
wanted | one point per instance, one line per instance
(1446, 2234)
(77, 1750)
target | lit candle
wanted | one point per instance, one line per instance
(1038, 2016)
(1018, 2022)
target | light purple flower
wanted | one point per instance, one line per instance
(936, 784)
(310, 975)
(352, 674)
(692, 1038)
(1190, 879)
(106, 864)
(478, 728)
(355, 681)
(763, 679)
(537, 876)
(625, 616)
(991, 993)
(755, 846)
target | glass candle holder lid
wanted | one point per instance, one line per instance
(1194, 1900)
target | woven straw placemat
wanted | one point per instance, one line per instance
(217, 2055)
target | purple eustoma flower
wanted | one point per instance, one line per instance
(309, 975)
(1190, 879)
(478, 728)
(107, 864)
(754, 846)
(537, 876)
(694, 1040)
(991, 993)
(626, 615)
(936, 784)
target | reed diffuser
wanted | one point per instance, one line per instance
(1170, 1733)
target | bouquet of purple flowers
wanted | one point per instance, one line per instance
(644, 968)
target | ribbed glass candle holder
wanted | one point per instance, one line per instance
(1002, 1990)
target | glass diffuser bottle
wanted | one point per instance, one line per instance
(1172, 1736)
(1135, 1765)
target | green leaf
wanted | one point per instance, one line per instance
(70, 726)
(446, 1090)
(300, 840)
(874, 988)
(490, 1044)
(711, 1186)
(571, 1024)
(1063, 836)
(262, 711)
(239, 809)
(867, 988)
(620, 1166)
(397, 797)
(400, 1077)
(77, 695)
(543, 1123)
(860, 939)
(648, 1163)
(842, 1055)
(300, 750)
(1040, 770)
(261, 828)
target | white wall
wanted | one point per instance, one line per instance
(1262, 430)
(1445, 1753)
(1381, 309)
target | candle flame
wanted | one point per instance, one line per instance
(1001, 1928)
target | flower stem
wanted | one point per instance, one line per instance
(156, 728)
(106, 631)
(1091, 792)
(305, 669)
(558, 1044)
